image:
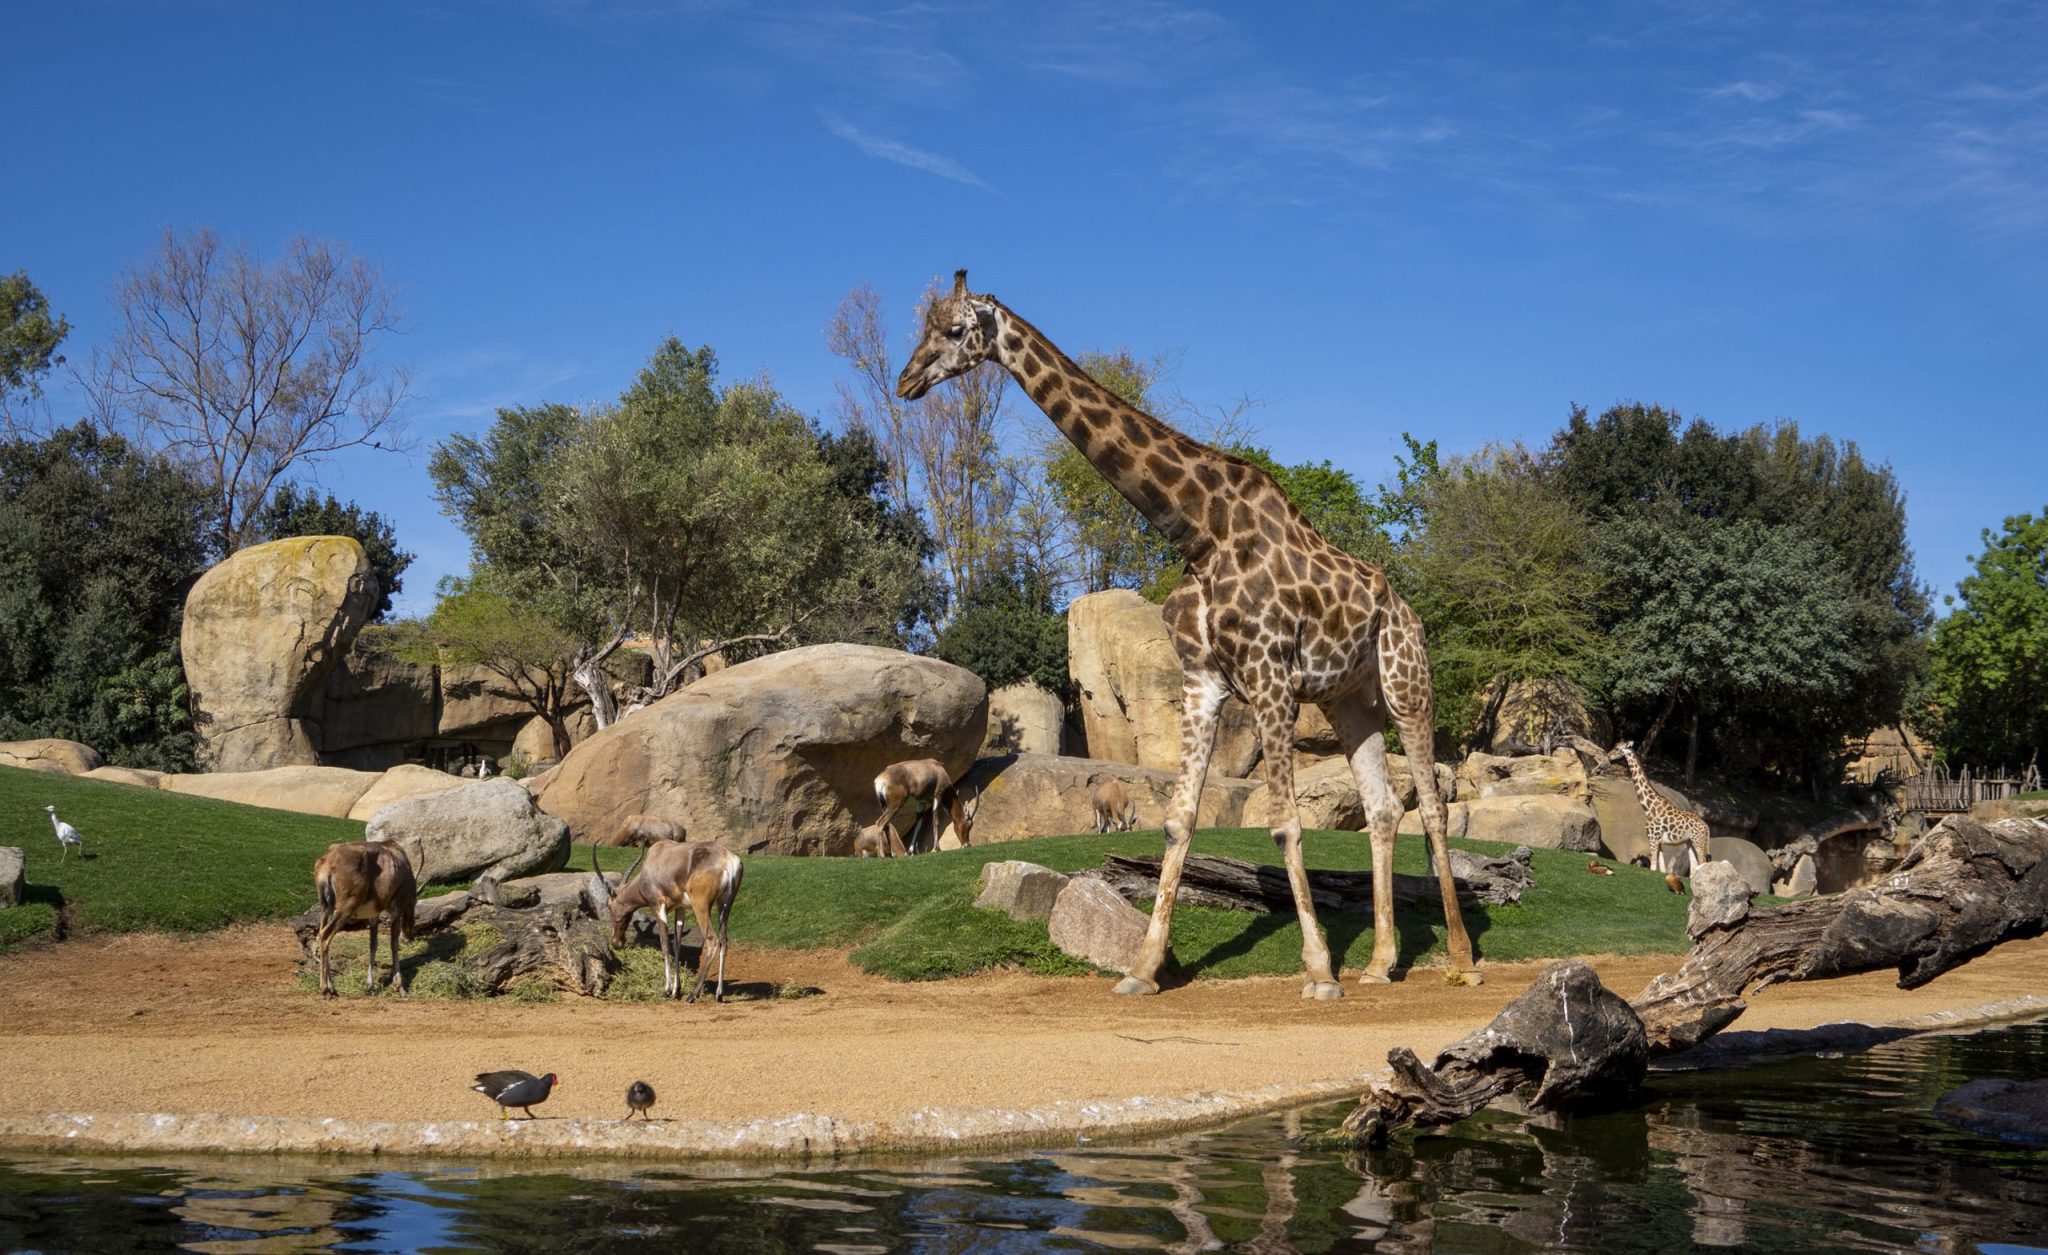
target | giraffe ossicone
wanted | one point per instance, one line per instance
(1268, 611)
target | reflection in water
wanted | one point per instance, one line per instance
(1808, 1156)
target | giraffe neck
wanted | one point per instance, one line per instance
(1182, 486)
(1653, 801)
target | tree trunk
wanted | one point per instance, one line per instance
(591, 678)
(1692, 743)
(1237, 885)
(1964, 888)
(1657, 724)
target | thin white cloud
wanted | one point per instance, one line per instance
(902, 154)
(1744, 89)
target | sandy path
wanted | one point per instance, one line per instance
(148, 1024)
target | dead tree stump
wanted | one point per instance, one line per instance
(1238, 885)
(1962, 889)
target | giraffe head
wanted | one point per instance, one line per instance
(959, 334)
(1622, 750)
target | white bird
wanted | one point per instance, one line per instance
(67, 836)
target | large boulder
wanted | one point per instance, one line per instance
(330, 791)
(1024, 719)
(1748, 859)
(1489, 775)
(406, 780)
(13, 876)
(1020, 796)
(1020, 890)
(776, 755)
(1093, 923)
(375, 698)
(50, 754)
(1544, 821)
(1127, 682)
(1326, 792)
(486, 828)
(141, 777)
(261, 631)
(1531, 710)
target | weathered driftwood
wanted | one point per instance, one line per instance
(1964, 888)
(545, 927)
(1237, 885)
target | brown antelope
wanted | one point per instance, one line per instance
(362, 880)
(703, 874)
(926, 784)
(874, 841)
(645, 830)
(1113, 807)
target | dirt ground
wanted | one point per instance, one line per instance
(217, 1024)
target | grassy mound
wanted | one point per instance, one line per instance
(155, 861)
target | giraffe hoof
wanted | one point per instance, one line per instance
(1130, 985)
(1375, 978)
(1322, 990)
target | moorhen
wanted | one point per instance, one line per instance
(513, 1088)
(639, 1097)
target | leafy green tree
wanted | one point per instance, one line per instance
(295, 511)
(480, 621)
(29, 337)
(1007, 630)
(99, 543)
(1500, 569)
(1990, 655)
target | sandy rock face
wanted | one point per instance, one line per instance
(1748, 858)
(13, 875)
(51, 754)
(1092, 922)
(375, 698)
(1128, 682)
(262, 630)
(1541, 821)
(330, 791)
(1024, 719)
(776, 755)
(1485, 775)
(1326, 792)
(141, 777)
(1533, 709)
(484, 828)
(1020, 796)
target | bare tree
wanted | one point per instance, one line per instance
(245, 369)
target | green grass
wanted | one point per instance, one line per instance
(912, 919)
(162, 861)
(155, 861)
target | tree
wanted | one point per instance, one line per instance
(295, 511)
(29, 337)
(246, 370)
(1990, 655)
(99, 543)
(481, 622)
(1501, 573)
(1007, 630)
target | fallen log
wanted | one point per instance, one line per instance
(1235, 884)
(1962, 889)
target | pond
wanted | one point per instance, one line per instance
(1814, 1155)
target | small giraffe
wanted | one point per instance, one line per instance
(1669, 828)
(1268, 611)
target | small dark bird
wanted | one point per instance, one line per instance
(1594, 866)
(513, 1088)
(639, 1097)
(1673, 883)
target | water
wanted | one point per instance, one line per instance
(1818, 1155)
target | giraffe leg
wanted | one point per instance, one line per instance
(1405, 684)
(1201, 698)
(1361, 728)
(1275, 711)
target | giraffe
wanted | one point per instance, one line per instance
(1668, 827)
(1267, 611)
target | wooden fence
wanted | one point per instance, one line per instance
(1935, 793)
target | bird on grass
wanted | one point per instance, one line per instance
(1673, 883)
(1595, 866)
(513, 1088)
(67, 836)
(639, 1097)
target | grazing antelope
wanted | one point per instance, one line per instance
(926, 784)
(703, 874)
(645, 830)
(874, 841)
(363, 880)
(1113, 807)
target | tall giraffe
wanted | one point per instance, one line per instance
(1667, 826)
(1268, 611)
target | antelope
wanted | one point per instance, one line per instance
(644, 830)
(1113, 807)
(363, 880)
(703, 874)
(927, 784)
(874, 841)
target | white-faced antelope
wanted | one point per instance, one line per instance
(926, 783)
(702, 874)
(364, 880)
(1113, 807)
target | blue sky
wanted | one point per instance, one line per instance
(1452, 219)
